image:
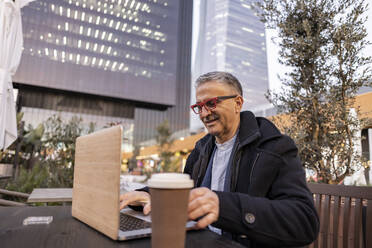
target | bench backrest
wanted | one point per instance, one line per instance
(345, 214)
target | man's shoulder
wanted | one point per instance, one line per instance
(267, 127)
(272, 138)
(251, 124)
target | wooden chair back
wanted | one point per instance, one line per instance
(345, 214)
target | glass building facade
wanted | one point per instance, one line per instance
(232, 38)
(127, 61)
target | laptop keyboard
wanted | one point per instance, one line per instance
(130, 223)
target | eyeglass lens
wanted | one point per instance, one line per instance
(210, 104)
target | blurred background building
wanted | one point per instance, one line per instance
(228, 36)
(108, 61)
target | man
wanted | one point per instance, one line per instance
(250, 184)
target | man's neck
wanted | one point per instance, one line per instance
(227, 137)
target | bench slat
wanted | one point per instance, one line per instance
(357, 222)
(325, 224)
(318, 205)
(345, 232)
(14, 193)
(336, 219)
(10, 203)
(369, 225)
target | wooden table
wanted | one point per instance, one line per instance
(66, 231)
(51, 195)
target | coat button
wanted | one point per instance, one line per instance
(250, 218)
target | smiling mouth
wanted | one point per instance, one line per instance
(207, 122)
(210, 119)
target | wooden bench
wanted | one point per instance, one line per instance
(345, 214)
(12, 193)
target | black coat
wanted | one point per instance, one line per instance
(269, 204)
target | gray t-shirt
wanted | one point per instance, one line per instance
(220, 162)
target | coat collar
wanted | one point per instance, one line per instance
(248, 128)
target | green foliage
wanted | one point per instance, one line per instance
(321, 42)
(37, 177)
(46, 154)
(59, 149)
(168, 162)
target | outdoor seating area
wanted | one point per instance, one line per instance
(186, 123)
(345, 212)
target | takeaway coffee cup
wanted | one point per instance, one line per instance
(169, 200)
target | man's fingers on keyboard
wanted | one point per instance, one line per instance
(147, 208)
(135, 198)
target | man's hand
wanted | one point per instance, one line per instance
(136, 198)
(203, 202)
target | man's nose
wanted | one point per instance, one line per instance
(204, 112)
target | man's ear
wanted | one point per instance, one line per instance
(238, 104)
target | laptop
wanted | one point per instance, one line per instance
(96, 190)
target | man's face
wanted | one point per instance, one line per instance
(223, 120)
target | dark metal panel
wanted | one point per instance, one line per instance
(60, 48)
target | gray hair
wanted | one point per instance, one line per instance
(221, 77)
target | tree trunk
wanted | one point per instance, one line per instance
(18, 148)
(366, 175)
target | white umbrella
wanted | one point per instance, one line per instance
(11, 43)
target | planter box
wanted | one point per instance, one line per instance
(6, 170)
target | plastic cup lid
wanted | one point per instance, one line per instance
(170, 181)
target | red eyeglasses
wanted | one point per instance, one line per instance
(209, 103)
